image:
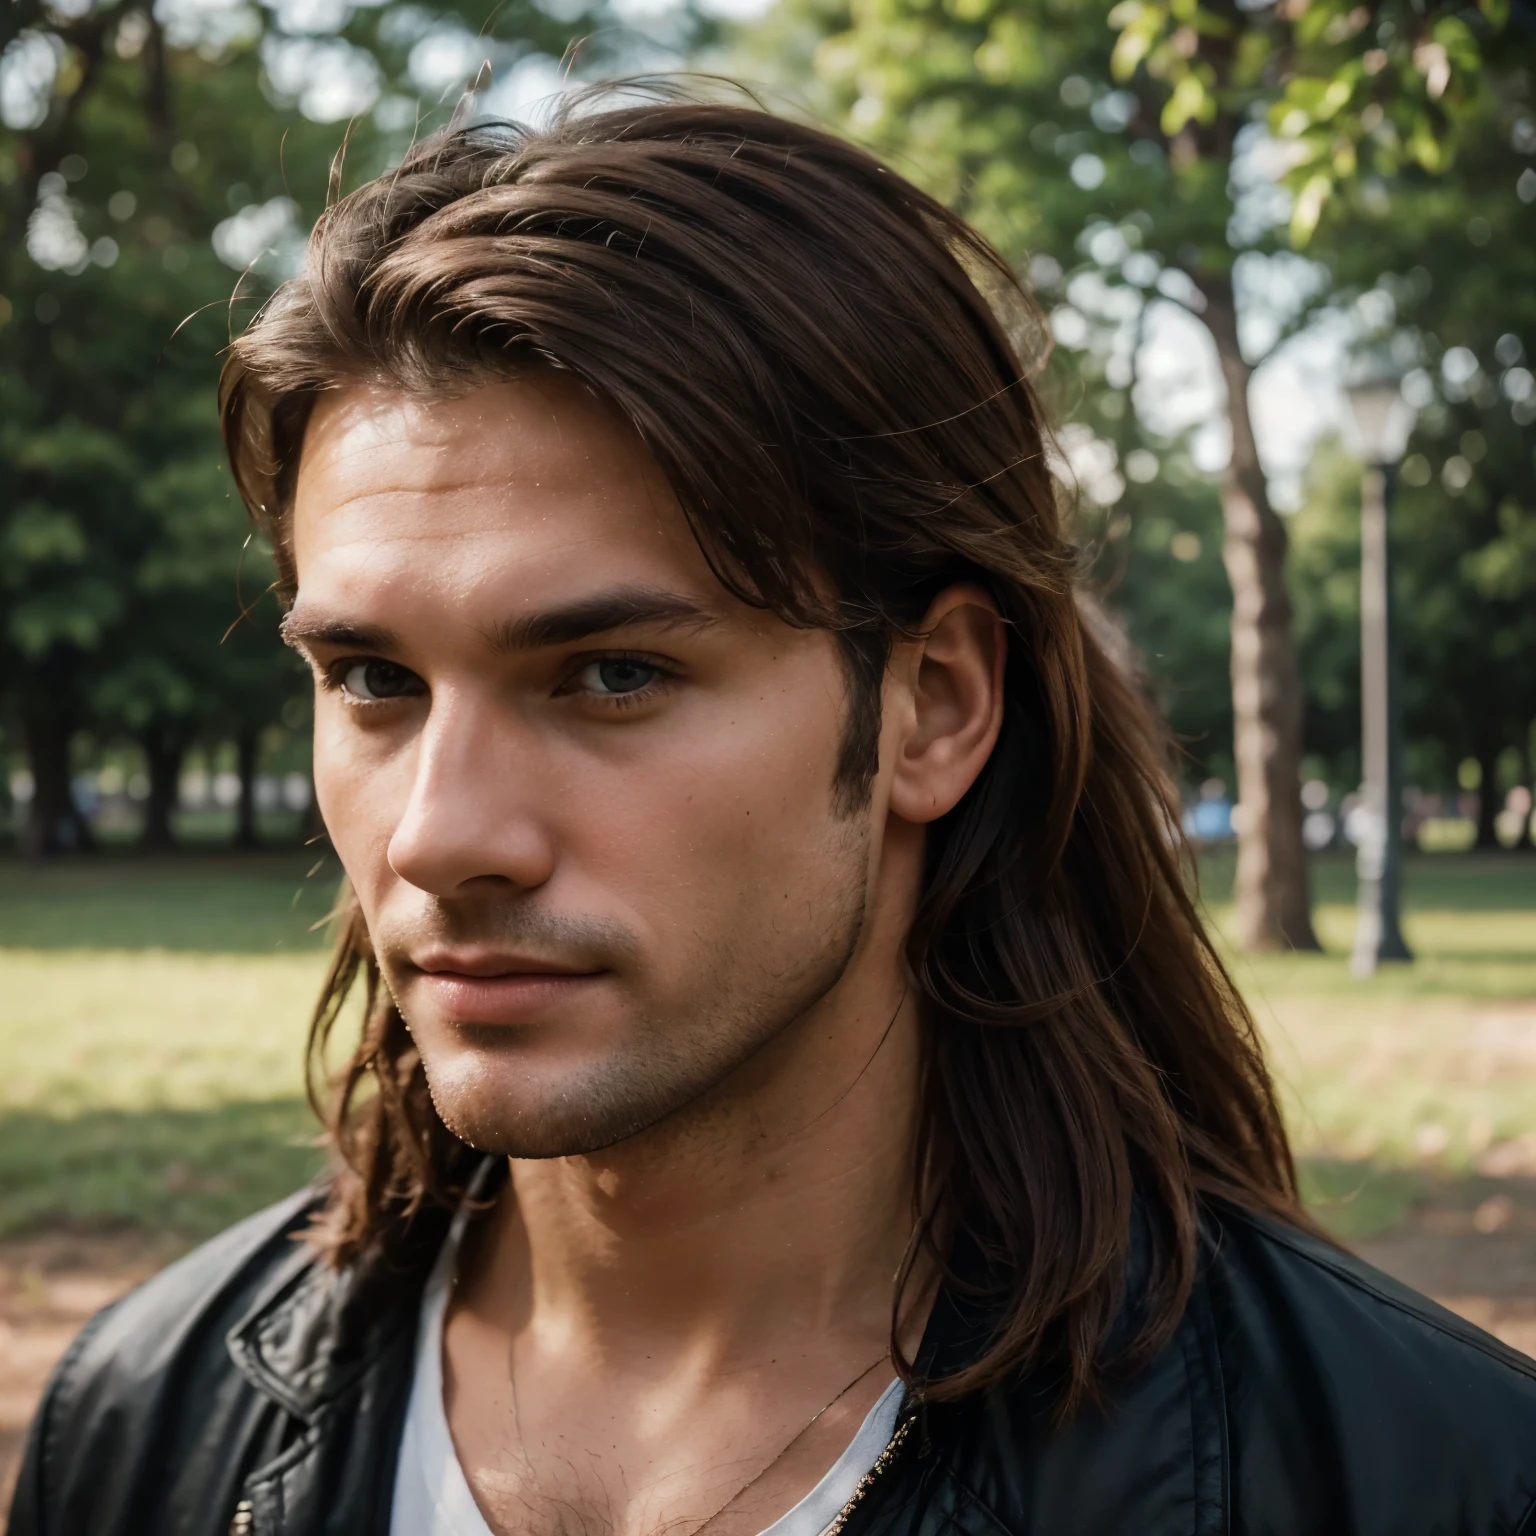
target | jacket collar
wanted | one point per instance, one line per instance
(314, 1331)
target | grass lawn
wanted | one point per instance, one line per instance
(154, 1014)
(1413, 1073)
(151, 1036)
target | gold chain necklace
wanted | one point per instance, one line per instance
(746, 1487)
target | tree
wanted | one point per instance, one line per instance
(146, 157)
(1159, 570)
(1124, 148)
(1108, 144)
(1466, 608)
(1419, 187)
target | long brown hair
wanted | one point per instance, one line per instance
(819, 356)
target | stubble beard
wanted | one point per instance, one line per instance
(675, 1062)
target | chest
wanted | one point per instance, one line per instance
(579, 1452)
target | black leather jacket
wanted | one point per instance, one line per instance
(248, 1390)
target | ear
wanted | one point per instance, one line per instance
(955, 704)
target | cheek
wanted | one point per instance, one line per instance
(734, 822)
(360, 790)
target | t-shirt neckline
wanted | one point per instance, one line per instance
(433, 1497)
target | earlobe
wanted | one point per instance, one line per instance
(956, 712)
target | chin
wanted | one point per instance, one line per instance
(522, 1114)
(538, 1132)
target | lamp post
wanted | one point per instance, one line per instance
(1382, 421)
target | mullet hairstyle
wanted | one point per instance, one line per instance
(812, 349)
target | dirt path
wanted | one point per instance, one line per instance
(49, 1286)
(1472, 1246)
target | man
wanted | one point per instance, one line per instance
(794, 1092)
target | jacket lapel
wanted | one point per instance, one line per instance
(335, 1351)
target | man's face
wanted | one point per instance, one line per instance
(584, 796)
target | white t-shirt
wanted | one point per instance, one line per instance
(432, 1496)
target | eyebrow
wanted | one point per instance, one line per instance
(298, 628)
(579, 620)
(599, 613)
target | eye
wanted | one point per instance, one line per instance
(617, 675)
(375, 681)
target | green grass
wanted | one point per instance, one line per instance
(1469, 918)
(216, 903)
(1471, 882)
(154, 1015)
(151, 1040)
(1409, 1075)
(1427, 1062)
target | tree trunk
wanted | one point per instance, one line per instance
(53, 822)
(1488, 796)
(164, 750)
(245, 809)
(1273, 909)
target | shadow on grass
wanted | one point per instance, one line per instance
(1453, 882)
(188, 1173)
(256, 903)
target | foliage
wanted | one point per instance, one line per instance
(1441, 272)
(1115, 154)
(1377, 93)
(1466, 609)
(1157, 565)
(147, 156)
(1131, 157)
(1325, 581)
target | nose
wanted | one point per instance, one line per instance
(471, 818)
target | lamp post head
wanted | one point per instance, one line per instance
(1381, 419)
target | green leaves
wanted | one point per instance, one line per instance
(37, 534)
(1456, 40)
(1365, 90)
(75, 613)
(1193, 99)
(164, 151)
(1004, 107)
(1308, 208)
(1504, 569)
(71, 449)
(1139, 24)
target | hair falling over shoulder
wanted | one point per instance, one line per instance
(833, 371)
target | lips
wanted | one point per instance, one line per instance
(487, 965)
(484, 988)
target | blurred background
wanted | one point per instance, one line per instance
(1286, 256)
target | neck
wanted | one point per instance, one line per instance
(779, 1206)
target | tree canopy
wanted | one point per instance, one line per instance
(151, 160)
(1187, 187)
(1258, 171)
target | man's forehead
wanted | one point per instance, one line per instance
(525, 430)
(536, 472)
(529, 510)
